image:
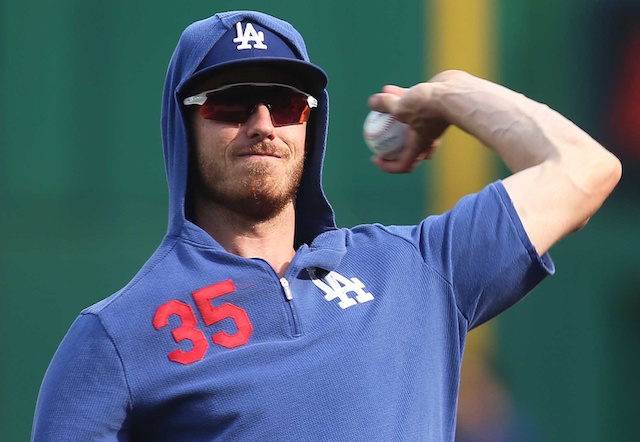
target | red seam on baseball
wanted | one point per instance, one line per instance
(386, 125)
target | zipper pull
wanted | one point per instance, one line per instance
(287, 289)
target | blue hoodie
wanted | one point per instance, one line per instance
(361, 340)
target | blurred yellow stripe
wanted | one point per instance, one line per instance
(461, 36)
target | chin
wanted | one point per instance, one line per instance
(260, 206)
(258, 194)
(256, 200)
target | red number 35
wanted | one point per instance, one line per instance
(211, 314)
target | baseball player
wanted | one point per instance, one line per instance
(257, 319)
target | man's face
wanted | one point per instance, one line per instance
(253, 168)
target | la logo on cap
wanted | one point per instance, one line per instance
(249, 34)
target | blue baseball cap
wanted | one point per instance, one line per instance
(251, 44)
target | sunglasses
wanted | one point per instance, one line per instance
(235, 103)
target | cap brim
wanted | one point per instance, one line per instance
(311, 78)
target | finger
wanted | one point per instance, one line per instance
(390, 166)
(386, 100)
(383, 102)
(395, 166)
(405, 162)
(394, 90)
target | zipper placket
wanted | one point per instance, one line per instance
(288, 295)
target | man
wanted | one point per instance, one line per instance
(257, 319)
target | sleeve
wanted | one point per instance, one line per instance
(84, 395)
(481, 249)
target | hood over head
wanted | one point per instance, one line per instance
(221, 43)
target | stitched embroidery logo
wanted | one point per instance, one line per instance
(334, 285)
(249, 34)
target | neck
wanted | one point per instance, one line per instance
(271, 240)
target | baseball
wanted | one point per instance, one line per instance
(384, 135)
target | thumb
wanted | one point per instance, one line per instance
(387, 100)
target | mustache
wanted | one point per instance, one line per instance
(263, 148)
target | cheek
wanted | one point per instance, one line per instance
(296, 137)
(212, 142)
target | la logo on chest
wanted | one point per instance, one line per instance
(248, 38)
(336, 286)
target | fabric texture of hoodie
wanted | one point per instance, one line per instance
(362, 340)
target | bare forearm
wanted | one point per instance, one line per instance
(561, 176)
(522, 131)
(503, 120)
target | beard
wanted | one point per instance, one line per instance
(257, 194)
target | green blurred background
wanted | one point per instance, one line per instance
(84, 202)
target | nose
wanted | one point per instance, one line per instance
(259, 124)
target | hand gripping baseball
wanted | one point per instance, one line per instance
(413, 107)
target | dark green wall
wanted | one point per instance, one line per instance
(570, 350)
(83, 193)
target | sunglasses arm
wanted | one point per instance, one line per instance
(196, 99)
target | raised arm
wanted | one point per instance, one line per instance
(561, 176)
